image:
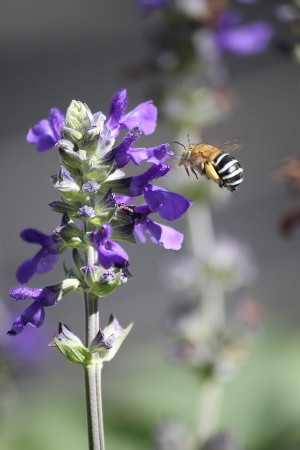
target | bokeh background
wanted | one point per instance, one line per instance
(50, 53)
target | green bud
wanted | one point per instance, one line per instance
(71, 159)
(71, 346)
(64, 287)
(71, 134)
(91, 274)
(93, 171)
(108, 282)
(76, 114)
(62, 207)
(71, 234)
(108, 341)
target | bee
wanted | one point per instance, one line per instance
(214, 163)
(129, 210)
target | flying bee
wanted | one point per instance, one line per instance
(214, 163)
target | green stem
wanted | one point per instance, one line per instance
(92, 372)
(210, 397)
(209, 409)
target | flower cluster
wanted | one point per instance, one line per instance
(94, 209)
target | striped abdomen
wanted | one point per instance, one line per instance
(229, 170)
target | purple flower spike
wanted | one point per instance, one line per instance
(109, 252)
(44, 259)
(168, 205)
(164, 235)
(118, 106)
(144, 116)
(46, 133)
(245, 40)
(34, 314)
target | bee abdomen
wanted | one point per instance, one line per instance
(229, 170)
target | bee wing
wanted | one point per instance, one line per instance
(231, 146)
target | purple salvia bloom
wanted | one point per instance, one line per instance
(34, 314)
(46, 133)
(139, 182)
(44, 259)
(164, 235)
(155, 155)
(144, 115)
(246, 39)
(109, 252)
(168, 205)
(122, 151)
(118, 106)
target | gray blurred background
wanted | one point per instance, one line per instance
(54, 51)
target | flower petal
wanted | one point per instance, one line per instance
(144, 115)
(246, 39)
(56, 120)
(118, 106)
(168, 237)
(112, 253)
(168, 205)
(139, 182)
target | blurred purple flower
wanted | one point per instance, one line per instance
(152, 4)
(109, 252)
(34, 314)
(143, 116)
(242, 40)
(44, 259)
(46, 133)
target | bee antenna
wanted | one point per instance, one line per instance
(179, 143)
(188, 136)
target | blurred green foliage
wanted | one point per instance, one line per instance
(261, 405)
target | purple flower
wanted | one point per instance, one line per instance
(44, 259)
(152, 4)
(109, 252)
(46, 133)
(155, 155)
(143, 116)
(164, 235)
(168, 205)
(242, 40)
(34, 314)
(139, 182)
(124, 152)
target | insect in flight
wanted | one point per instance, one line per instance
(214, 163)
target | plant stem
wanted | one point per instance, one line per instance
(92, 372)
(209, 409)
(210, 397)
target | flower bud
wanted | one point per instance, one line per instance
(107, 342)
(71, 135)
(108, 282)
(91, 274)
(71, 346)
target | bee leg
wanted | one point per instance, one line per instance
(187, 170)
(194, 172)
